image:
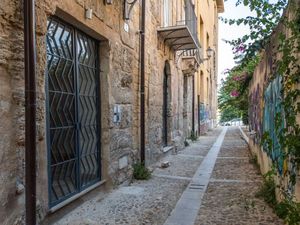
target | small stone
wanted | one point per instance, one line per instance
(19, 188)
(165, 164)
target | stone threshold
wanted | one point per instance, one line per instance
(73, 198)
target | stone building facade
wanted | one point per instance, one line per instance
(88, 95)
(207, 75)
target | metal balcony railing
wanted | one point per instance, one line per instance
(183, 35)
(196, 53)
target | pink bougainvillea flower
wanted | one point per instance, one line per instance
(239, 48)
(235, 93)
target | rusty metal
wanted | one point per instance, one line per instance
(30, 111)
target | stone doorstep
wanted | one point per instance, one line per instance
(167, 149)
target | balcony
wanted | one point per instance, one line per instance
(180, 36)
(183, 34)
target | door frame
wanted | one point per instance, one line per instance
(79, 187)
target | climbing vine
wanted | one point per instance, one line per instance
(287, 66)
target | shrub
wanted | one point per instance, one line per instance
(140, 172)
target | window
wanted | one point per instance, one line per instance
(72, 111)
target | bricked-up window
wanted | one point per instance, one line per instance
(72, 89)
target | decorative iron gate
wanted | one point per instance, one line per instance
(72, 111)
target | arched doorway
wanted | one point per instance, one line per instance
(166, 101)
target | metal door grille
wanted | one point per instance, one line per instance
(72, 111)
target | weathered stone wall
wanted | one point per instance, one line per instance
(261, 80)
(119, 55)
(11, 111)
(158, 55)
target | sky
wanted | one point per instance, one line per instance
(229, 33)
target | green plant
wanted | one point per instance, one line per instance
(253, 160)
(267, 190)
(268, 14)
(193, 136)
(140, 172)
(287, 209)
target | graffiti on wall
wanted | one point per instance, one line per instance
(255, 120)
(203, 113)
(272, 112)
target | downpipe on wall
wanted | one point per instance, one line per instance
(142, 87)
(30, 111)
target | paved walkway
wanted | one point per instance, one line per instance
(223, 182)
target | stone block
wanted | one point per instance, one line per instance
(123, 162)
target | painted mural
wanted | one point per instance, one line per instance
(265, 109)
(273, 111)
(255, 118)
(203, 113)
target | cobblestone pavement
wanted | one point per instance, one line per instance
(145, 202)
(230, 196)
(229, 199)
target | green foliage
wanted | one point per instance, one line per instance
(193, 136)
(140, 172)
(236, 82)
(268, 190)
(288, 210)
(267, 17)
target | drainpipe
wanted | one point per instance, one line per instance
(142, 115)
(30, 111)
(193, 105)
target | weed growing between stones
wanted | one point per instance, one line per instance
(193, 136)
(140, 172)
(287, 209)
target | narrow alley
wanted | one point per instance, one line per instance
(149, 112)
(229, 198)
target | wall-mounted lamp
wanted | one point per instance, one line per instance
(209, 52)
